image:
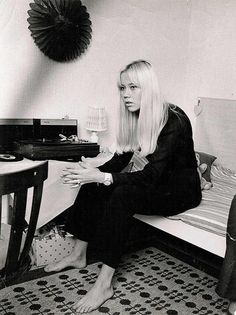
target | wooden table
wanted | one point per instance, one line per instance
(56, 196)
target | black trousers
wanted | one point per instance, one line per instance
(103, 214)
(227, 282)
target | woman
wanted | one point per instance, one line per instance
(168, 184)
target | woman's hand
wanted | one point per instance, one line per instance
(82, 174)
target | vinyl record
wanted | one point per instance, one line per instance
(60, 28)
(9, 156)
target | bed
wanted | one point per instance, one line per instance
(205, 226)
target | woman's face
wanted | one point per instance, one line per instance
(130, 93)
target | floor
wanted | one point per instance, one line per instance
(146, 282)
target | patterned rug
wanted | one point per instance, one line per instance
(147, 282)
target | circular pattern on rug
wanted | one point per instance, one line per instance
(174, 288)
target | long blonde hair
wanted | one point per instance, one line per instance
(140, 131)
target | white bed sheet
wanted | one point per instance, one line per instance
(203, 226)
(206, 240)
(213, 211)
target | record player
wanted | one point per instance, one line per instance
(40, 139)
(56, 149)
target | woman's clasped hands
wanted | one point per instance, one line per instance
(81, 173)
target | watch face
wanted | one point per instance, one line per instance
(107, 180)
(107, 183)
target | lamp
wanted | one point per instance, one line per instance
(96, 121)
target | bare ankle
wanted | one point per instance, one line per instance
(80, 249)
(103, 285)
(104, 280)
(77, 256)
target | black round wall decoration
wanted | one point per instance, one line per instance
(60, 28)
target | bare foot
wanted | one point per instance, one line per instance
(93, 299)
(68, 261)
(232, 308)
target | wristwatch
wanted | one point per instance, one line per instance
(107, 179)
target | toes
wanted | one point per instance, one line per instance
(82, 307)
(51, 269)
(85, 309)
(78, 306)
(90, 309)
(48, 269)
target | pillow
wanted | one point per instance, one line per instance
(208, 159)
(138, 162)
(128, 168)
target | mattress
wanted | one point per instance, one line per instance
(212, 213)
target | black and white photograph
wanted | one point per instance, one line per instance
(117, 157)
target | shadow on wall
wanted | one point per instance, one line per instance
(6, 11)
(25, 70)
(32, 84)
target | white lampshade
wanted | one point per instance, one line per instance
(96, 121)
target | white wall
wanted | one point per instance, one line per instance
(190, 43)
(211, 65)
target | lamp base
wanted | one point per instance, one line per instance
(94, 137)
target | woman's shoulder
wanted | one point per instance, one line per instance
(177, 117)
(175, 110)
